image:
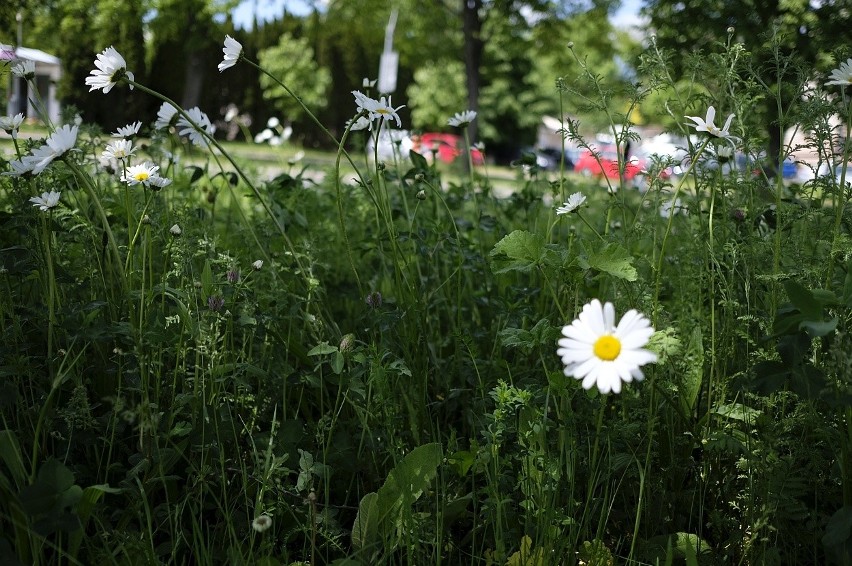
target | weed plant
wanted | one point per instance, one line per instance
(213, 369)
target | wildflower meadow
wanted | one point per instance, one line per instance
(398, 363)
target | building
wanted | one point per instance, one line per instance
(48, 70)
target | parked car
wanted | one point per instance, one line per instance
(550, 158)
(605, 164)
(447, 147)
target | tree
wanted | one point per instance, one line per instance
(292, 62)
(798, 31)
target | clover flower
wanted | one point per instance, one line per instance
(193, 128)
(24, 69)
(58, 143)
(127, 131)
(233, 50)
(175, 230)
(46, 201)
(707, 125)
(111, 70)
(842, 75)
(11, 124)
(165, 116)
(600, 353)
(257, 264)
(261, 523)
(575, 201)
(462, 119)
(118, 149)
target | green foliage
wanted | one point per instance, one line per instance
(292, 62)
(438, 92)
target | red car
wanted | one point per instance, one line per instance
(606, 164)
(449, 146)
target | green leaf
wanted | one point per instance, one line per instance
(405, 484)
(518, 251)
(322, 349)
(839, 528)
(737, 412)
(366, 520)
(611, 259)
(207, 279)
(418, 160)
(197, 172)
(10, 454)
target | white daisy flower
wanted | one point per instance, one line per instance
(24, 69)
(118, 149)
(193, 129)
(11, 124)
(261, 523)
(575, 201)
(127, 131)
(600, 353)
(19, 167)
(156, 182)
(842, 75)
(378, 109)
(165, 116)
(707, 125)
(140, 174)
(46, 201)
(59, 142)
(111, 69)
(233, 51)
(462, 119)
(362, 123)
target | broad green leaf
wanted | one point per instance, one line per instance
(737, 412)
(518, 251)
(366, 520)
(322, 349)
(612, 259)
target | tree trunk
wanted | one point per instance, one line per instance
(471, 27)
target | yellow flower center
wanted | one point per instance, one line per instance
(382, 111)
(607, 347)
(141, 176)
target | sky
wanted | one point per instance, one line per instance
(625, 17)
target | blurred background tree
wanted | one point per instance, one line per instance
(500, 57)
(783, 36)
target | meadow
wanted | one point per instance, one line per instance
(395, 365)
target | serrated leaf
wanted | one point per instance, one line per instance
(613, 260)
(523, 250)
